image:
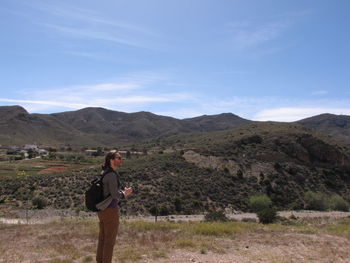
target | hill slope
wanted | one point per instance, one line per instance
(334, 125)
(213, 170)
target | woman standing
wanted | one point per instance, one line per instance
(109, 208)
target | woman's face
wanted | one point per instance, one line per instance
(117, 161)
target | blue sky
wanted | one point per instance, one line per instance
(262, 60)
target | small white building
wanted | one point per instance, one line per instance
(25, 154)
(42, 151)
(30, 146)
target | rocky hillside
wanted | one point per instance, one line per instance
(334, 125)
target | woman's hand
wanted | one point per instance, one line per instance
(127, 191)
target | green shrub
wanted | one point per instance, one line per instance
(215, 216)
(259, 202)
(337, 203)
(163, 210)
(316, 201)
(267, 215)
(39, 202)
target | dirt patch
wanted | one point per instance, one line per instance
(221, 164)
(53, 170)
(267, 248)
(211, 162)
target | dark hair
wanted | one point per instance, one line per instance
(110, 155)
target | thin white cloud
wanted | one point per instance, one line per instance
(181, 113)
(259, 108)
(319, 92)
(77, 32)
(253, 33)
(295, 14)
(129, 93)
(248, 34)
(109, 87)
(197, 105)
(137, 99)
(47, 102)
(85, 54)
(233, 72)
(80, 23)
(125, 103)
(83, 92)
(89, 16)
(296, 113)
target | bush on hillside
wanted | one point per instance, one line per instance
(267, 215)
(316, 201)
(215, 216)
(259, 202)
(39, 202)
(337, 203)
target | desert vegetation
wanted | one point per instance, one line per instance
(168, 184)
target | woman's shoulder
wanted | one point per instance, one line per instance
(108, 175)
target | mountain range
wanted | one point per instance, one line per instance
(206, 162)
(103, 127)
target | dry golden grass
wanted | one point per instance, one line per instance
(75, 240)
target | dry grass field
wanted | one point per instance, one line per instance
(74, 240)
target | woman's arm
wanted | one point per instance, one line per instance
(113, 186)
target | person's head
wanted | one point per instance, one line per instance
(113, 160)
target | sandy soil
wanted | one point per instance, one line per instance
(269, 244)
(289, 247)
(53, 170)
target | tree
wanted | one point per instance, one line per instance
(31, 153)
(178, 204)
(262, 205)
(215, 216)
(163, 210)
(154, 211)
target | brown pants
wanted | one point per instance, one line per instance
(109, 224)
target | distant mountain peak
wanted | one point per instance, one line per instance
(13, 109)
